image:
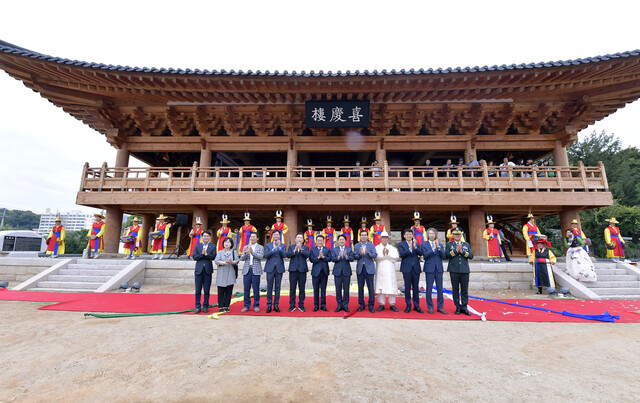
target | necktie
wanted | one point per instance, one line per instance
(433, 246)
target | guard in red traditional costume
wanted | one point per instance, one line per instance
(492, 236)
(159, 237)
(614, 241)
(454, 224)
(347, 231)
(418, 229)
(310, 235)
(223, 232)
(245, 232)
(329, 234)
(279, 226)
(542, 260)
(55, 240)
(363, 227)
(133, 235)
(578, 233)
(376, 229)
(530, 229)
(195, 234)
(96, 243)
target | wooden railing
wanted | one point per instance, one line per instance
(310, 178)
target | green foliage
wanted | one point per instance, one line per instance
(20, 220)
(76, 241)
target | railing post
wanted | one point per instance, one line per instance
(240, 175)
(83, 180)
(485, 175)
(583, 175)
(103, 173)
(385, 165)
(337, 180)
(170, 180)
(603, 176)
(534, 175)
(194, 172)
(460, 180)
(216, 181)
(264, 179)
(288, 176)
(360, 174)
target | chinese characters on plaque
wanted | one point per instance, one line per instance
(337, 114)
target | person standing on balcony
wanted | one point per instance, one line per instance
(505, 164)
(492, 237)
(454, 225)
(347, 231)
(245, 232)
(418, 229)
(320, 256)
(298, 268)
(252, 255)
(96, 243)
(132, 249)
(614, 241)
(329, 234)
(223, 232)
(529, 229)
(459, 254)
(55, 240)
(365, 253)
(577, 231)
(195, 234)
(342, 256)
(310, 235)
(446, 168)
(376, 229)
(159, 245)
(279, 226)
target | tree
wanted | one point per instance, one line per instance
(76, 241)
(20, 220)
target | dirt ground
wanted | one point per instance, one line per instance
(61, 356)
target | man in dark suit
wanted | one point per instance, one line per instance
(204, 253)
(342, 255)
(275, 252)
(298, 255)
(459, 254)
(320, 256)
(433, 253)
(365, 253)
(410, 253)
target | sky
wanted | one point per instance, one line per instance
(42, 149)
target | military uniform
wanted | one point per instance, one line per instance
(458, 269)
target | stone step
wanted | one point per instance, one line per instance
(613, 284)
(629, 296)
(89, 272)
(617, 277)
(77, 278)
(82, 266)
(610, 271)
(103, 262)
(69, 285)
(616, 291)
(60, 290)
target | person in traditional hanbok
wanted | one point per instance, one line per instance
(363, 227)
(578, 264)
(454, 224)
(279, 226)
(386, 282)
(96, 243)
(347, 231)
(132, 248)
(329, 234)
(529, 230)
(542, 260)
(55, 240)
(376, 229)
(195, 234)
(244, 235)
(579, 233)
(310, 235)
(159, 244)
(615, 242)
(223, 233)
(418, 229)
(492, 236)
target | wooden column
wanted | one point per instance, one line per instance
(476, 226)
(122, 159)
(203, 213)
(381, 153)
(293, 223)
(292, 154)
(566, 216)
(385, 213)
(469, 150)
(113, 229)
(205, 159)
(148, 221)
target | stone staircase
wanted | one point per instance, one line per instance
(615, 282)
(86, 275)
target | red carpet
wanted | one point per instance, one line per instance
(628, 310)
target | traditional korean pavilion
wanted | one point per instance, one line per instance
(226, 142)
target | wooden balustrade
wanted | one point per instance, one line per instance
(355, 179)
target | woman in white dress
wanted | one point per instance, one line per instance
(579, 264)
(386, 282)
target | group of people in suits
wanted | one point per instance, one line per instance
(375, 270)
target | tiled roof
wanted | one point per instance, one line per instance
(9, 48)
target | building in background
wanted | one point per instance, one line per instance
(72, 221)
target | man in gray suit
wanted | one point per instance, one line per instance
(459, 254)
(275, 252)
(251, 271)
(365, 253)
